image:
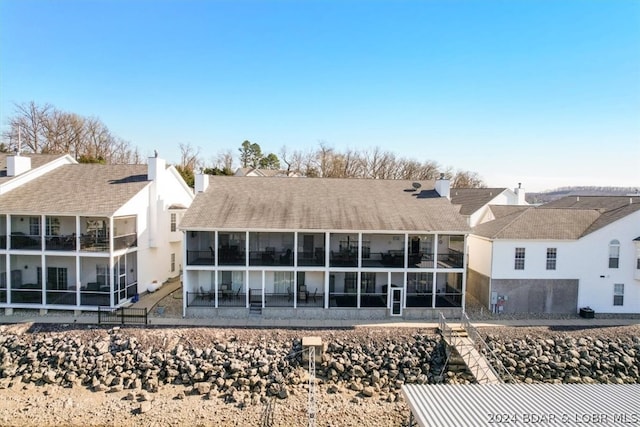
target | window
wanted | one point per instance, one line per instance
(56, 278)
(519, 260)
(34, 226)
(174, 220)
(173, 262)
(52, 226)
(552, 254)
(618, 294)
(638, 264)
(614, 253)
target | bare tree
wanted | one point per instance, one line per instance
(46, 129)
(467, 179)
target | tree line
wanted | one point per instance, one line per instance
(46, 129)
(49, 130)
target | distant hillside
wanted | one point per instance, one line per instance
(548, 196)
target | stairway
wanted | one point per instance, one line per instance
(458, 338)
(255, 309)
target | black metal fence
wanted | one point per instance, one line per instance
(123, 315)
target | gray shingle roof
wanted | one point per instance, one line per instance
(542, 224)
(37, 160)
(321, 204)
(592, 202)
(79, 189)
(472, 199)
(567, 218)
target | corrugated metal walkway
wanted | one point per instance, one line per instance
(515, 405)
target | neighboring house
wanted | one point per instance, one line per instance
(474, 202)
(557, 258)
(322, 247)
(266, 173)
(16, 170)
(86, 235)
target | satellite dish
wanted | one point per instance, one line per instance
(416, 185)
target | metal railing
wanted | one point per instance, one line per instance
(481, 345)
(123, 315)
(473, 359)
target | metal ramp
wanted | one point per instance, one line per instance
(466, 340)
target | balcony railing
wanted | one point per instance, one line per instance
(125, 242)
(231, 255)
(341, 300)
(420, 299)
(421, 260)
(207, 299)
(94, 244)
(311, 259)
(60, 243)
(26, 296)
(95, 298)
(373, 300)
(200, 257)
(271, 257)
(453, 259)
(61, 297)
(391, 258)
(344, 259)
(26, 241)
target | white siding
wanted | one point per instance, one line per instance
(480, 255)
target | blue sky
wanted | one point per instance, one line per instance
(546, 93)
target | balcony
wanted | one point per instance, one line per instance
(60, 243)
(452, 259)
(271, 256)
(26, 295)
(26, 241)
(201, 257)
(312, 259)
(231, 255)
(344, 258)
(125, 241)
(421, 260)
(93, 243)
(388, 259)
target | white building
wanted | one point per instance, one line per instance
(474, 202)
(324, 248)
(557, 258)
(79, 236)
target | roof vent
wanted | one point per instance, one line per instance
(416, 185)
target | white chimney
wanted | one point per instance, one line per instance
(520, 193)
(18, 164)
(202, 182)
(443, 187)
(155, 167)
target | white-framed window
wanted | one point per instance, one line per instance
(173, 262)
(618, 294)
(34, 225)
(52, 226)
(614, 253)
(174, 221)
(519, 259)
(552, 256)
